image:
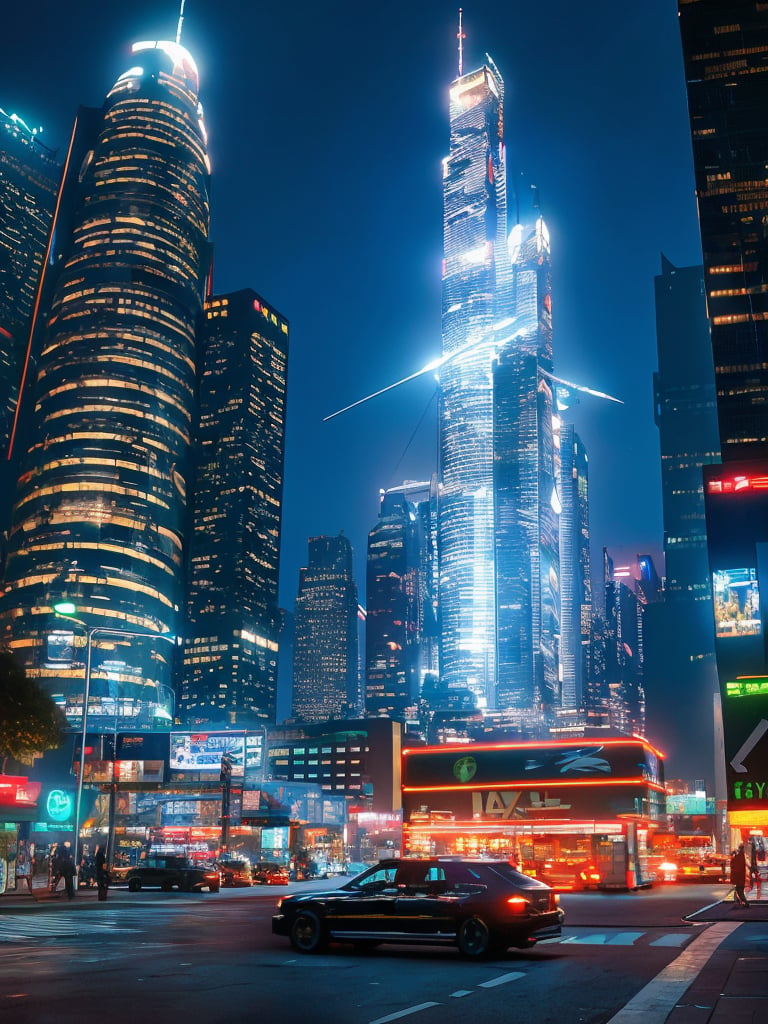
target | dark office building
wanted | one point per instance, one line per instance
(100, 508)
(325, 673)
(29, 182)
(233, 621)
(680, 663)
(725, 47)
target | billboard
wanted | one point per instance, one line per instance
(736, 602)
(202, 752)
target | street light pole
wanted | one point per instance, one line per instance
(90, 633)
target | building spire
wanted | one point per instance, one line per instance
(461, 37)
(181, 21)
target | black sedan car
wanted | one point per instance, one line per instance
(172, 872)
(481, 906)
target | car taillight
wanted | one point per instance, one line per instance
(517, 904)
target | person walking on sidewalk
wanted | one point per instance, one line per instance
(739, 876)
(68, 870)
(102, 875)
(24, 864)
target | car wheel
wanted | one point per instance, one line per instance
(307, 933)
(213, 888)
(134, 884)
(474, 938)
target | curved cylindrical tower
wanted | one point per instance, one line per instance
(101, 500)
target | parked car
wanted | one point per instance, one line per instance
(235, 873)
(481, 906)
(268, 873)
(173, 872)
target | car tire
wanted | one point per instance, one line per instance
(474, 938)
(307, 934)
(134, 885)
(213, 888)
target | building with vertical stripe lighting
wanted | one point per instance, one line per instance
(233, 618)
(100, 509)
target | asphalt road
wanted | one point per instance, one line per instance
(152, 956)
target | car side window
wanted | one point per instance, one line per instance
(381, 878)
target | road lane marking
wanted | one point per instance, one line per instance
(404, 1013)
(654, 1002)
(461, 992)
(501, 980)
(624, 938)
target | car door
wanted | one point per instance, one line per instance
(424, 905)
(366, 910)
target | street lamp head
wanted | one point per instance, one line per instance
(65, 608)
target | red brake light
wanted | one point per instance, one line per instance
(517, 904)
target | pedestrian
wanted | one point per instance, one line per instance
(739, 876)
(67, 870)
(102, 875)
(24, 864)
(54, 870)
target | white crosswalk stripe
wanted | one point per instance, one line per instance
(613, 938)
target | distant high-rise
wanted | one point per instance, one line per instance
(325, 671)
(476, 293)
(29, 182)
(575, 578)
(233, 620)
(401, 627)
(725, 43)
(100, 508)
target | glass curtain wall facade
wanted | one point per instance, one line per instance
(233, 617)
(725, 48)
(325, 673)
(476, 279)
(576, 584)
(100, 506)
(29, 183)
(526, 484)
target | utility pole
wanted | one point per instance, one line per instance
(226, 786)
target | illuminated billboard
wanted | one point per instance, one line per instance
(202, 752)
(736, 603)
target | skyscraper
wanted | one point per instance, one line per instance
(325, 672)
(100, 507)
(401, 626)
(724, 47)
(526, 485)
(680, 664)
(29, 181)
(233, 619)
(725, 44)
(476, 293)
(575, 574)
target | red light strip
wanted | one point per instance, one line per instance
(554, 783)
(468, 748)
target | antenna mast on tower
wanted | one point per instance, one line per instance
(461, 37)
(181, 20)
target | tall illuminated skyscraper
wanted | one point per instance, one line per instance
(233, 620)
(100, 508)
(526, 485)
(476, 294)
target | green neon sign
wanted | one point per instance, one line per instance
(751, 686)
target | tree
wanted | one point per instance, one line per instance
(30, 720)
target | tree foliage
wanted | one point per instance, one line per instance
(30, 721)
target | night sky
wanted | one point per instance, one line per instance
(327, 125)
